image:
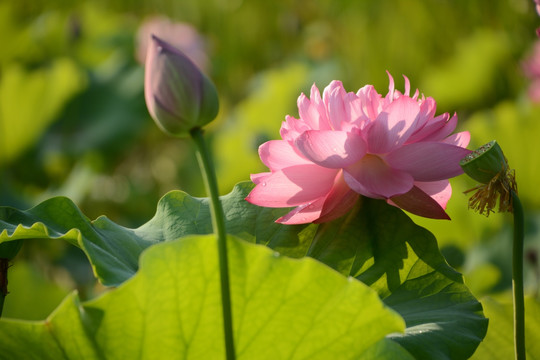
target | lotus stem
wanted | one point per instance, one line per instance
(4, 265)
(517, 279)
(218, 224)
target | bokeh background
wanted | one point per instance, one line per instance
(73, 121)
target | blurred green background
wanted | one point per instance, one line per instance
(73, 121)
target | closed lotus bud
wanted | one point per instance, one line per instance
(178, 95)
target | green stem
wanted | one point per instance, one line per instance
(517, 279)
(218, 223)
(4, 266)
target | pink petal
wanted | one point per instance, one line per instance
(393, 126)
(336, 106)
(331, 149)
(427, 111)
(293, 186)
(291, 128)
(445, 130)
(311, 112)
(428, 107)
(407, 86)
(436, 129)
(419, 203)
(428, 161)
(440, 191)
(334, 84)
(353, 109)
(334, 205)
(391, 87)
(318, 104)
(279, 154)
(460, 139)
(372, 177)
(258, 178)
(370, 101)
(338, 201)
(303, 214)
(345, 205)
(305, 109)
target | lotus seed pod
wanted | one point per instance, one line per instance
(484, 163)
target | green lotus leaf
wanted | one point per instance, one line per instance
(283, 308)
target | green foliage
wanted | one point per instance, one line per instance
(377, 244)
(274, 95)
(283, 308)
(10, 249)
(475, 71)
(499, 342)
(31, 100)
(31, 295)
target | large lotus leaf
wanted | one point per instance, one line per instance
(283, 308)
(376, 243)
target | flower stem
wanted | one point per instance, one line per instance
(517, 279)
(218, 223)
(4, 265)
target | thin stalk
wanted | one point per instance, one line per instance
(517, 279)
(218, 224)
(4, 265)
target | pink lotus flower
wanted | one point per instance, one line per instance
(345, 145)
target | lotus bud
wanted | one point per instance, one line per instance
(179, 97)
